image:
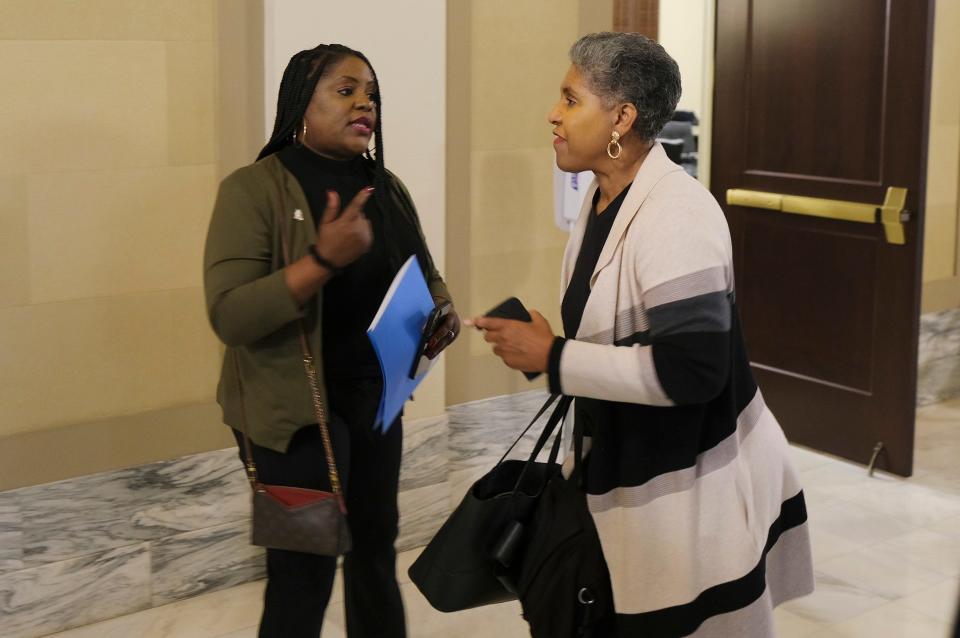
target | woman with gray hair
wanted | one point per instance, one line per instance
(700, 515)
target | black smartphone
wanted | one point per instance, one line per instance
(514, 309)
(421, 363)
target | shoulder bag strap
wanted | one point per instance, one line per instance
(308, 364)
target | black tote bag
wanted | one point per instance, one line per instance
(470, 560)
(561, 574)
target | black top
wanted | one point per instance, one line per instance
(352, 298)
(588, 412)
(595, 236)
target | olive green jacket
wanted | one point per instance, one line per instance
(251, 308)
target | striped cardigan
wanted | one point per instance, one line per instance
(700, 514)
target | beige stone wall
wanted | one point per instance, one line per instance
(941, 263)
(107, 178)
(506, 63)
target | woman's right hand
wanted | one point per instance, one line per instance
(342, 238)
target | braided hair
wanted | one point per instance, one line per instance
(296, 89)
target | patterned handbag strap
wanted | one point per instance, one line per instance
(308, 365)
(318, 407)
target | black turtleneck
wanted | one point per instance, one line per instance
(352, 298)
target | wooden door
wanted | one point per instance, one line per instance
(820, 108)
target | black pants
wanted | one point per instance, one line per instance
(298, 584)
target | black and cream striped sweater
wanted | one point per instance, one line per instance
(700, 514)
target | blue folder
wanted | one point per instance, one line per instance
(395, 335)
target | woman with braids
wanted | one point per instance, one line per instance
(688, 479)
(342, 262)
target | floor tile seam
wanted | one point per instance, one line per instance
(898, 601)
(877, 510)
(906, 604)
(830, 625)
(914, 489)
(875, 544)
(878, 594)
(846, 583)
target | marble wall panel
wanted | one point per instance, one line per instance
(422, 512)
(939, 335)
(938, 375)
(425, 457)
(79, 516)
(40, 600)
(11, 534)
(204, 560)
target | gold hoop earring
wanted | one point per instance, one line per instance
(614, 141)
(303, 135)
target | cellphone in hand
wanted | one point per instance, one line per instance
(422, 363)
(514, 309)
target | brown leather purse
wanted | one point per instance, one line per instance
(296, 518)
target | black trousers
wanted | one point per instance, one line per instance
(299, 584)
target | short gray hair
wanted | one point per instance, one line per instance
(629, 67)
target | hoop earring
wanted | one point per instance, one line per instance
(614, 141)
(303, 135)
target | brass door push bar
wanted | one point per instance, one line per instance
(892, 214)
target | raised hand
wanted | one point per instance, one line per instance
(342, 238)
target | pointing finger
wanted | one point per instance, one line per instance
(355, 208)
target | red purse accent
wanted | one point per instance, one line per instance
(295, 496)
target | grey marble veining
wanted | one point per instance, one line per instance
(197, 491)
(80, 591)
(422, 512)
(93, 513)
(425, 456)
(204, 560)
(938, 380)
(938, 375)
(939, 335)
(483, 430)
(11, 534)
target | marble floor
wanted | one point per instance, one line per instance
(887, 558)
